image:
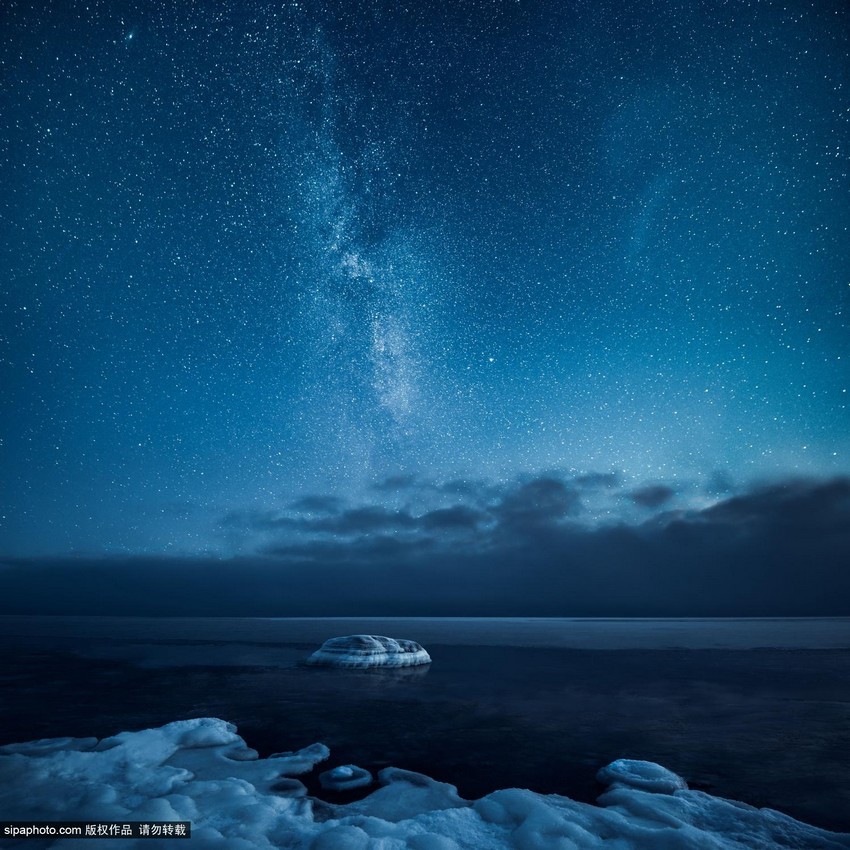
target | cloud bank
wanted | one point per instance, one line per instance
(538, 546)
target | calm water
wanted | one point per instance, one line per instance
(756, 710)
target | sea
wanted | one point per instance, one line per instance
(756, 710)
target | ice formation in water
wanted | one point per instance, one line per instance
(369, 651)
(345, 778)
(202, 771)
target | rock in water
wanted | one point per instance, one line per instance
(369, 651)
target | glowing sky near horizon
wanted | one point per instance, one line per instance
(257, 251)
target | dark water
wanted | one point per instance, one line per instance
(752, 710)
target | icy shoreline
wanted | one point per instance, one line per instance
(202, 771)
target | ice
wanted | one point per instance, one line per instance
(345, 778)
(644, 775)
(48, 745)
(203, 772)
(369, 651)
(405, 795)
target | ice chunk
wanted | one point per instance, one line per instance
(49, 745)
(342, 838)
(345, 778)
(406, 794)
(369, 651)
(644, 775)
(304, 760)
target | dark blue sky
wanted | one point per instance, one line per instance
(407, 258)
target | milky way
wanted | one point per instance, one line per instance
(260, 253)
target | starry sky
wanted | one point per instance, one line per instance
(302, 280)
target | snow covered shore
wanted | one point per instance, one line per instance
(202, 771)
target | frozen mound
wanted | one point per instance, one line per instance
(369, 651)
(643, 775)
(345, 778)
(201, 771)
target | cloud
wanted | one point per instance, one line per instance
(521, 549)
(537, 503)
(358, 522)
(521, 508)
(797, 506)
(652, 495)
(361, 521)
(318, 504)
(396, 483)
(457, 517)
(590, 480)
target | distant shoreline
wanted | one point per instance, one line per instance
(565, 633)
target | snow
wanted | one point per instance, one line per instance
(202, 771)
(369, 651)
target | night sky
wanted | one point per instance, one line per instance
(300, 289)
